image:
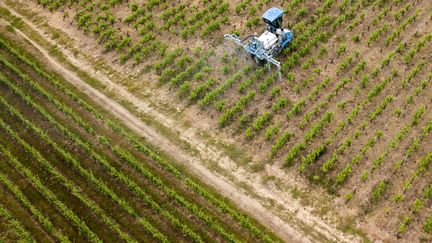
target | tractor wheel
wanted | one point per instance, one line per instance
(258, 61)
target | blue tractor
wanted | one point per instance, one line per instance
(270, 43)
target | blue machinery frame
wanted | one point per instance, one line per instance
(273, 20)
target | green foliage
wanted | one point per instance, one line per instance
(377, 33)
(245, 84)
(293, 152)
(243, 119)
(249, 133)
(398, 197)
(220, 105)
(266, 83)
(311, 157)
(341, 176)
(255, 21)
(15, 226)
(378, 190)
(323, 51)
(200, 89)
(427, 227)
(417, 204)
(214, 94)
(260, 121)
(295, 109)
(327, 118)
(290, 77)
(275, 91)
(349, 196)
(301, 12)
(280, 103)
(327, 165)
(272, 131)
(360, 67)
(374, 114)
(356, 38)
(281, 142)
(341, 49)
(237, 108)
(398, 112)
(427, 192)
(401, 27)
(184, 88)
(402, 226)
(364, 176)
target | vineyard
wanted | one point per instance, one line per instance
(350, 119)
(70, 173)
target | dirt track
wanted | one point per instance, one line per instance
(194, 164)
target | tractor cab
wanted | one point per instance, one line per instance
(273, 19)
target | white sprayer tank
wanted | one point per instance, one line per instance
(268, 39)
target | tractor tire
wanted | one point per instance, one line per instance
(258, 61)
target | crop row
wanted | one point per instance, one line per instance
(15, 226)
(40, 217)
(244, 221)
(132, 185)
